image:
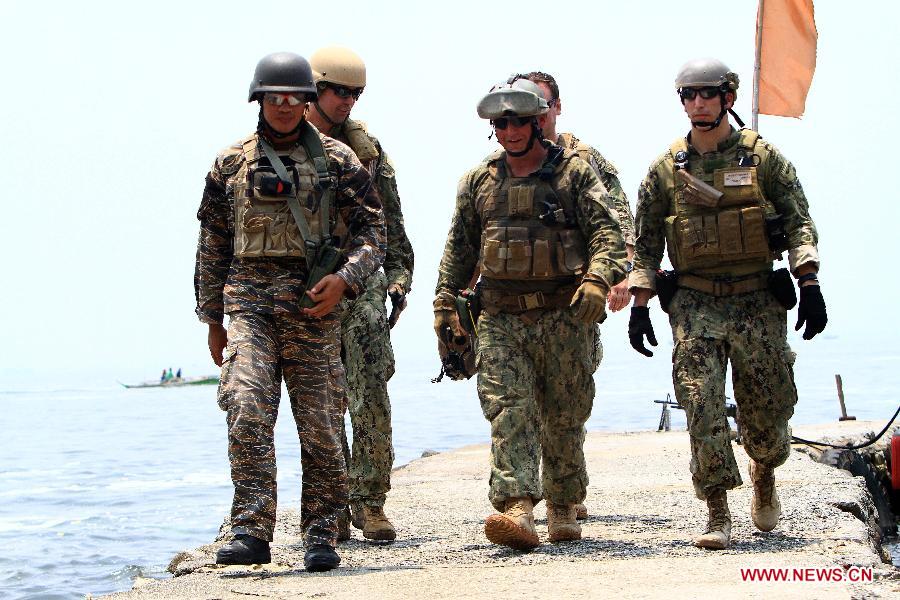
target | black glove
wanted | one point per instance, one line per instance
(398, 304)
(639, 325)
(811, 311)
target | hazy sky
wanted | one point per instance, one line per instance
(113, 113)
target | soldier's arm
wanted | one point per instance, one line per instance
(462, 248)
(214, 249)
(609, 176)
(398, 260)
(600, 228)
(650, 230)
(360, 206)
(783, 188)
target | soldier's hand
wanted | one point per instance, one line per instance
(325, 294)
(447, 326)
(216, 340)
(639, 325)
(811, 311)
(619, 296)
(590, 301)
(398, 302)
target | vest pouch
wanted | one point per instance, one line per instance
(753, 224)
(293, 240)
(493, 251)
(697, 241)
(252, 238)
(276, 236)
(574, 253)
(518, 253)
(738, 184)
(521, 200)
(542, 259)
(732, 242)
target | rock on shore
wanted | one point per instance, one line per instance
(636, 544)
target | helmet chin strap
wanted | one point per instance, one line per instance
(536, 134)
(710, 125)
(322, 114)
(266, 130)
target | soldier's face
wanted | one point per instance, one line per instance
(336, 108)
(706, 109)
(284, 118)
(514, 138)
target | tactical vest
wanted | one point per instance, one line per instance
(263, 223)
(722, 236)
(516, 243)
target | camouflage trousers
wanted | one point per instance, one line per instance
(750, 332)
(369, 361)
(536, 386)
(261, 349)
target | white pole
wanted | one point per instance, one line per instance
(754, 121)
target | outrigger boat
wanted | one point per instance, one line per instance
(175, 382)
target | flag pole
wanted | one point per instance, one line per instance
(754, 121)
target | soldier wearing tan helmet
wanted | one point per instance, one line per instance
(725, 204)
(340, 76)
(535, 221)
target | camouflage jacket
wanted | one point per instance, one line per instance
(778, 181)
(224, 284)
(399, 258)
(609, 177)
(593, 211)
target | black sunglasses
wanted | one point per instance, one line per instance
(707, 93)
(503, 122)
(343, 91)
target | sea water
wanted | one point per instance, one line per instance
(99, 484)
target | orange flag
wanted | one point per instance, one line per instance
(787, 56)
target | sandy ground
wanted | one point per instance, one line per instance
(636, 543)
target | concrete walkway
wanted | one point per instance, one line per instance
(636, 543)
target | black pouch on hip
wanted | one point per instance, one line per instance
(666, 286)
(782, 287)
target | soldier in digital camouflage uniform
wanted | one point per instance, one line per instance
(726, 203)
(535, 220)
(619, 296)
(340, 76)
(269, 209)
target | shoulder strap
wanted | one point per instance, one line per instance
(316, 151)
(360, 141)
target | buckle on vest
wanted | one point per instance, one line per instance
(722, 288)
(531, 301)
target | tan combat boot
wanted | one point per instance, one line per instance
(718, 529)
(581, 512)
(561, 523)
(514, 527)
(377, 526)
(358, 517)
(765, 508)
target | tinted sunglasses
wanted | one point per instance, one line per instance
(343, 91)
(503, 122)
(276, 99)
(707, 93)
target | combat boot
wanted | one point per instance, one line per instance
(765, 508)
(343, 525)
(320, 557)
(561, 523)
(377, 526)
(358, 516)
(581, 512)
(718, 528)
(244, 550)
(514, 527)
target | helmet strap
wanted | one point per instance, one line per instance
(267, 131)
(710, 125)
(322, 114)
(536, 134)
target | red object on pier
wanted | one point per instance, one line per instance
(895, 462)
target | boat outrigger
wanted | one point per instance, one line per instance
(175, 382)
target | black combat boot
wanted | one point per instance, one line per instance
(321, 557)
(244, 550)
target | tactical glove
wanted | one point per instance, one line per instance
(639, 325)
(398, 303)
(590, 300)
(447, 328)
(811, 311)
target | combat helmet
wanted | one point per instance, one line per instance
(709, 72)
(284, 72)
(516, 98)
(338, 65)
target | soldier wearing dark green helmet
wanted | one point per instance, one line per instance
(534, 220)
(267, 215)
(725, 204)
